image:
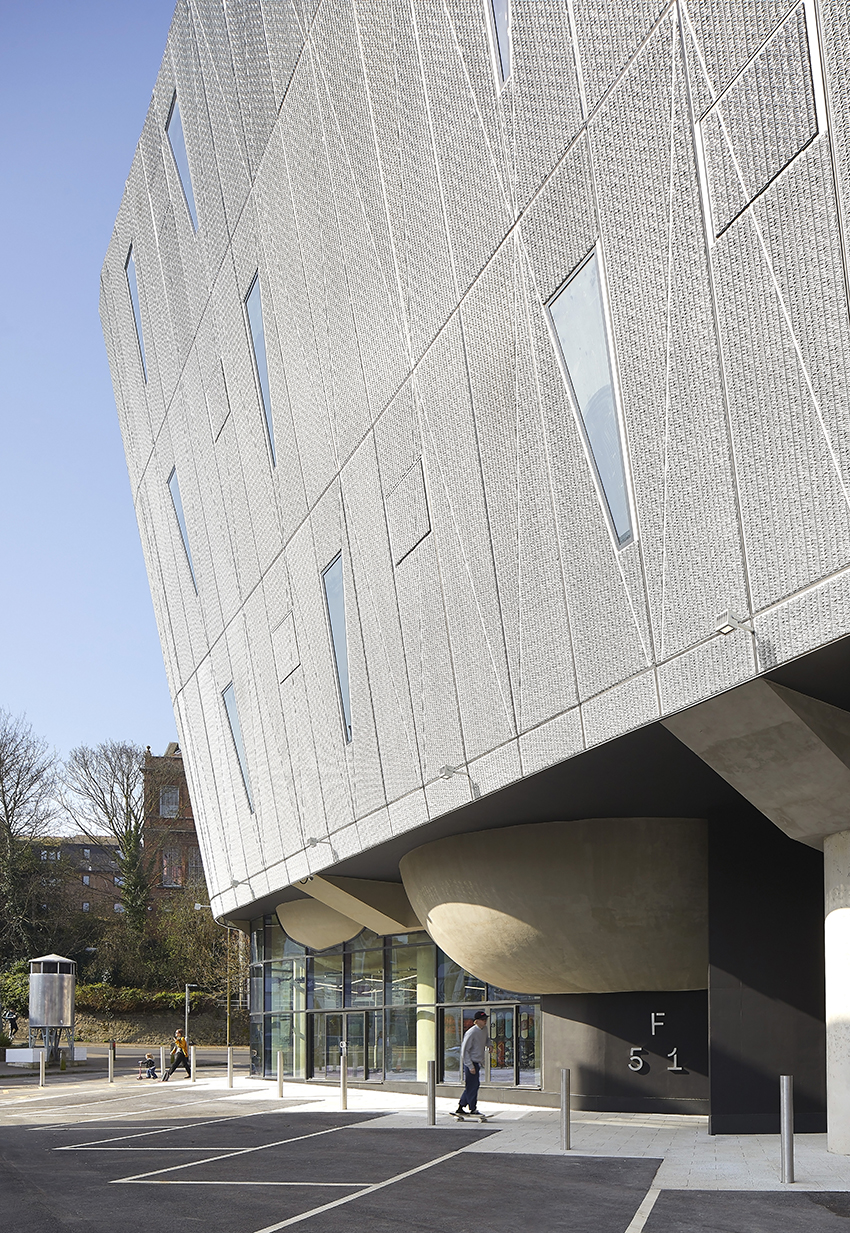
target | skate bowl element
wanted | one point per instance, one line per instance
(602, 905)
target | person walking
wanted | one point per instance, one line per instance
(472, 1053)
(179, 1056)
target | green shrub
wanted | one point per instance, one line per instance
(15, 987)
(110, 999)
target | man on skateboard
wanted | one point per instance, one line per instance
(472, 1059)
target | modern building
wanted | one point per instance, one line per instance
(482, 370)
(169, 829)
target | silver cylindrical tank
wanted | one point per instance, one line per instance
(52, 982)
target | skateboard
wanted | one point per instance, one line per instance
(463, 1117)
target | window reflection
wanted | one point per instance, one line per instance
(133, 287)
(177, 141)
(335, 599)
(256, 328)
(501, 10)
(578, 316)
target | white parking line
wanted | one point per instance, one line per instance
(242, 1151)
(164, 1130)
(639, 1219)
(349, 1198)
(180, 1182)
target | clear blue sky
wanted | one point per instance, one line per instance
(79, 651)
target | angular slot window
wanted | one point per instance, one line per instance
(335, 599)
(578, 315)
(229, 698)
(254, 306)
(133, 286)
(174, 489)
(174, 130)
(500, 14)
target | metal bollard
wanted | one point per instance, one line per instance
(42, 1071)
(230, 1065)
(786, 1126)
(343, 1075)
(192, 1063)
(432, 1093)
(110, 1064)
(161, 1060)
(280, 1074)
(565, 1110)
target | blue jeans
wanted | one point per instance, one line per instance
(472, 1078)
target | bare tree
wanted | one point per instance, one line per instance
(27, 805)
(104, 793)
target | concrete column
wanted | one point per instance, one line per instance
(426, 1015)
(836, 875)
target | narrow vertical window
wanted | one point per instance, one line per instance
(578, 315)
(500, 14)
(335, 599)
(174, 130)
(254, 306)
(229, 697)
(174, 489)
(130, 271)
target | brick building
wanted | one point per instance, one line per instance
(170, 824)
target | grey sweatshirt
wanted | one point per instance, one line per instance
(473, 1046)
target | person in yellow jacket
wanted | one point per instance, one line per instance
(179, 1056)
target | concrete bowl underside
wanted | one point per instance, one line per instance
(602, 905)
(314, 924)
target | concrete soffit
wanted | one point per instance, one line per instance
(382, 907)
(786, 753)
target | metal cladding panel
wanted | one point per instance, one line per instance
(728, 32)
(339, 37)
(476, 199)
(429, 664)
(545, 93)
(410, 183)
(459, 517)
(514, 466)
(411, 218)
(762, 122)
(560, 228)
(667, 352)
(608, 36)
(226, 124)
(374, 587)
(284, 41)
(253, 74)
(791, 448)
(629, 704)
(309, 552)
(551, 742)
(187, 80)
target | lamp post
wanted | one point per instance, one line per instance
(186, 1016)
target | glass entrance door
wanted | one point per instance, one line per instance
(327, 1034)
(501, 1064)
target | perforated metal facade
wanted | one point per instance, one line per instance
(411, 217)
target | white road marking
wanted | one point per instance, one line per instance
(639, 1219)
(180, 1182)
(242, 1151)
(164, 1130)
(349, 1198)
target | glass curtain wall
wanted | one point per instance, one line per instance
(396, 1001)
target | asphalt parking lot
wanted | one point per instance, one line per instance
(253, 1172)
(134, 1157)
